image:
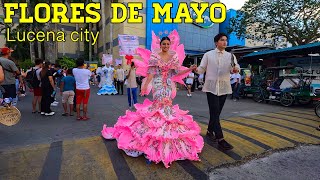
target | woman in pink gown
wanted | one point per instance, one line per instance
(158, 129)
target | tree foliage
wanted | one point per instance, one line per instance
(297, 21)
(26, 64)
(66, 62)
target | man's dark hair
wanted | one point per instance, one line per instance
(219, 36)
(79, 62)
(38, 61)
(69, 71)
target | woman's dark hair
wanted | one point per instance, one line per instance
(45, 69)
(132, 64)
(165, 38)
(219, 36)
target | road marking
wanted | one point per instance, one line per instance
(190, 168)
(284, 133)
(52, 166)
(97, 158)
(231, 154)
(269, 138)
(243, 145)
(142, 170)
(304, 135)
(305, 111)
(300, 115)
(23, 163)
(292, 124)
(293, 119)
(119, 163)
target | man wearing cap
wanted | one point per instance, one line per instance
(10, 70)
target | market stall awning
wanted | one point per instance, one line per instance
(313, 47)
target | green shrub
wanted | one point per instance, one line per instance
(26, 64)
(66, 62)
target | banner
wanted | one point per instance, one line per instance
(128, 44)
(106, 58)
(247, 77)
(118, 61)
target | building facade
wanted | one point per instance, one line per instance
(197, 38)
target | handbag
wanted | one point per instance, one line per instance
(126, 82)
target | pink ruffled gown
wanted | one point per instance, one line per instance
(158, 129)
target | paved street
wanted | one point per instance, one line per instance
(62, 148)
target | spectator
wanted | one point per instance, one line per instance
(98, 76)
(115, 82)
(10, 71)
(139, 82)
(132, 85)
(120, 79)
(37, 91)
(235, 85)
(67, 87)
(1, 80)
(82, 76)
(1, 75)
(48, 90)
(58, 74)
(189, 83)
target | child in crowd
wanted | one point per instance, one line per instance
(67, 86)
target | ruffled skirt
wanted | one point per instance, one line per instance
(162, 135)
(107, 90)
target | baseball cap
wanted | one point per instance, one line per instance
(5, 50)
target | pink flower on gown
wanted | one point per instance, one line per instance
(158, 129)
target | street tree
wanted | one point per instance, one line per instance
(297, 22)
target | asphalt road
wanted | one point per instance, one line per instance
(37, 129)
(271, 142)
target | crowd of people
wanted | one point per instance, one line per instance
(45, 80)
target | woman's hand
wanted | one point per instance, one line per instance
(143, 90)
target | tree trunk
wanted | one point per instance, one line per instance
(111, 32)
(32, 53)
(103, 26)
(78, 43)
(90, 43)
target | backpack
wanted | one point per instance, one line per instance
(32, 79)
